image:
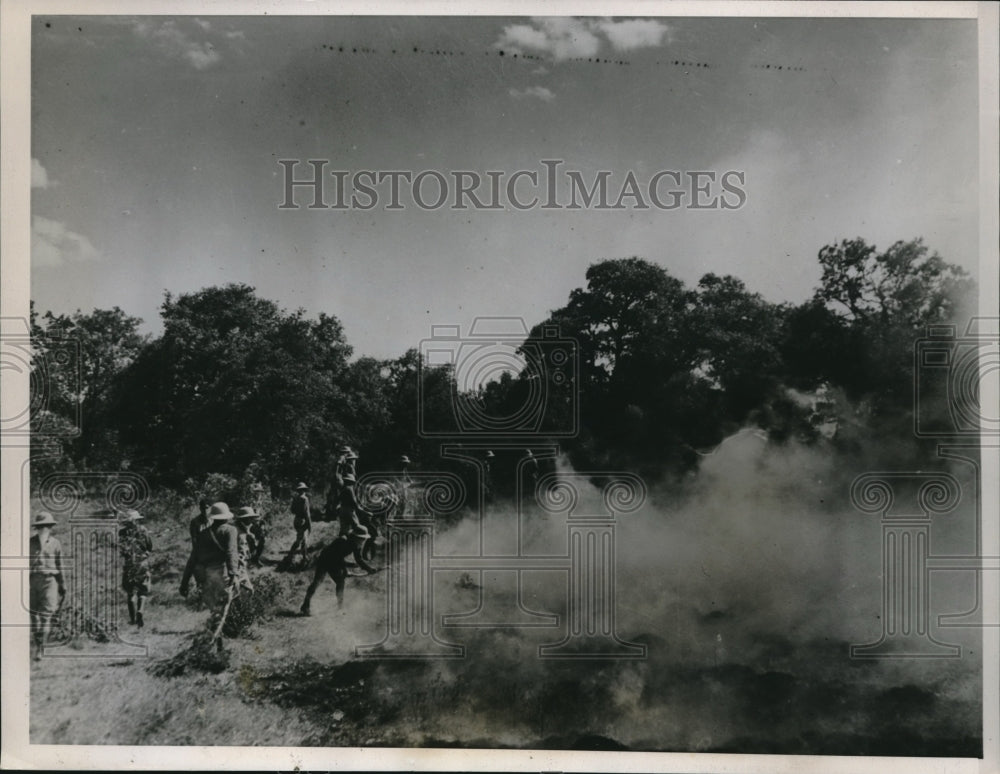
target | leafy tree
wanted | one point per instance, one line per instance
(234, 380)
(859, 329)
(738, 335)
(100, 346)
(903, 286)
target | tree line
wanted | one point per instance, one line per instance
(662, 371)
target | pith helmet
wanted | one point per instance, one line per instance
(132, 515)
(247, 512)
(302, 486)
(405, 460)
(490, 455)
(43, 519)
(219, 512)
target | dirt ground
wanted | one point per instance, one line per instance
(294, 681)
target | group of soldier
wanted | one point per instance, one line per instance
(225, 545)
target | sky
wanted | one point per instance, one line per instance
(155, 144)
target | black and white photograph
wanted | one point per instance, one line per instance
(560, 388)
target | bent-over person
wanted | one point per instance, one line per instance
(214, 563)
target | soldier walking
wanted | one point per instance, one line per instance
(258, 533)
(48, 589)
(135, 546)
(214, 563)
(350, 514)
(302, 521)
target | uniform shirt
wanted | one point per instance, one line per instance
(301, 512)
(46, 558)
(198, 524)
(135, 545)
(207, 554)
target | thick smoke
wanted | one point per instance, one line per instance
(747, 583)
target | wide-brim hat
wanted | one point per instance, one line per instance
(132, 515)
(302, 485)
(247, 512)
(490, 455)
(405, 459)
(351, 455)
(43, 519)
(219, 512)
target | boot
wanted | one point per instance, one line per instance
(305, 609)
(138, 620)
(131, 612)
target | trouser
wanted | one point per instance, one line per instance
(301, 540)
(330, 562)
(135, 584)
(43, 605)
(215, 592)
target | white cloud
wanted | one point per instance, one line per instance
(179, 44)
(567, 38)
(631, 34)
(52, 244)
(39, 177)
(558, 37)
(538, 92)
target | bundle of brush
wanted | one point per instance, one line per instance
(202, 655)
(249, 607)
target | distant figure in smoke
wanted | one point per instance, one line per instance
(302, 521)
(488, 476)
(403, 483)
(332, 562)
(135, 546)
(48, 589)
(529, 479)
(355, 520)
